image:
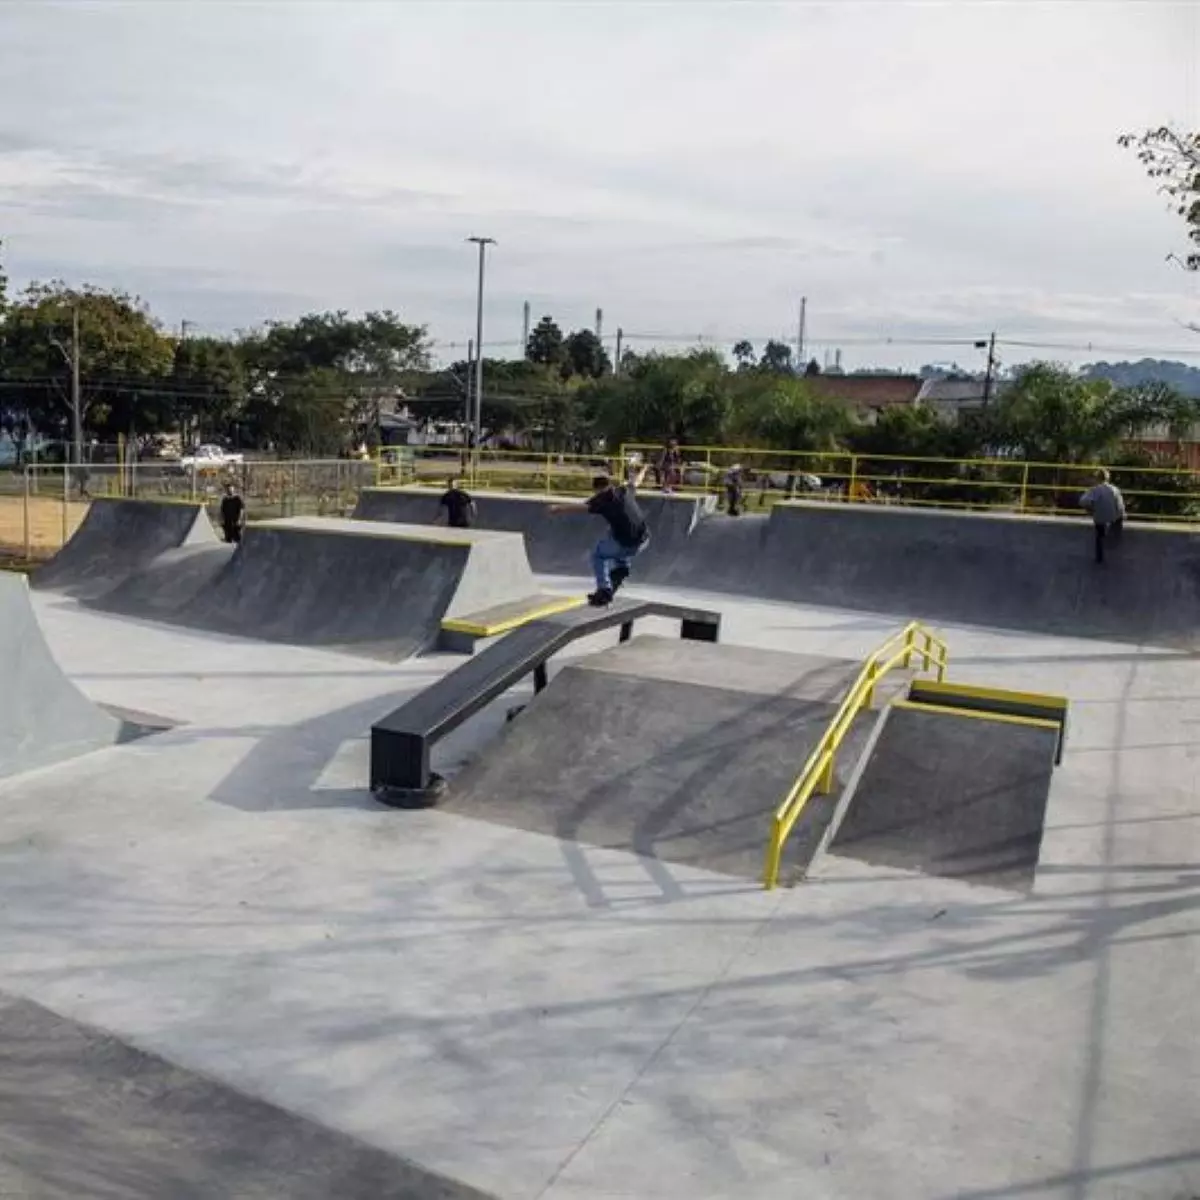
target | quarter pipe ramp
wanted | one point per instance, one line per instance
(44, 718)
(558, 544)
(365, 587)
(117, 539)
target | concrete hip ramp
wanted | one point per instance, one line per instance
(369, 588)
(557, 544)
(117, 539)
(44, 717)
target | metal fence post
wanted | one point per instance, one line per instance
(853, 480)
(28, 532)
(1025, 487)
(66, 500)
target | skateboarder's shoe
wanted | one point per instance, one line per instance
(600, 598)
(619, 575)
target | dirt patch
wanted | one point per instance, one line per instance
(50, 523)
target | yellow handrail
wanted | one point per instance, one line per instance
(897, 651)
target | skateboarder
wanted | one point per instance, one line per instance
(1107, 506)
(233, 515)
(628, 532)
(460, 508)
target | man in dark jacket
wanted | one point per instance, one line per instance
(233, 515)
(628, 532)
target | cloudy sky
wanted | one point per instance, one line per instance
(917, 170)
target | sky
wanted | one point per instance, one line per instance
(924, 174)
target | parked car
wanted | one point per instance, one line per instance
(210, 458)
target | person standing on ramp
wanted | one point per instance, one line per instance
(628, 533)
(1107, 506)
(233, 515)
(460, 508)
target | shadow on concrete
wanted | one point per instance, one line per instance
(82, 1113)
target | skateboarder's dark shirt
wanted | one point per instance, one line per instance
(619, 507)
(457, 504)
(231, 511)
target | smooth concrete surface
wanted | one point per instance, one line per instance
(118, 539)
(542, 1019)
(83, 1114)
(44, 718)
(954, 794)
(989, 569)
(368, 588)
(557, 542)
(677, 752)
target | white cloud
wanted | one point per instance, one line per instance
(917, 170)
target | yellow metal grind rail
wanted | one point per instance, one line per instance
(913, 641)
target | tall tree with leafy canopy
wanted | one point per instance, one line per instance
(124, 360)
(546, 344)
(1172, 159)
(776, 356)
(584, 355)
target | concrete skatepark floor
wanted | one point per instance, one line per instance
(538, 1019)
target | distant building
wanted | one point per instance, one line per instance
(867, 395)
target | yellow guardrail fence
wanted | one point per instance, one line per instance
(1163, 493)
(913, 641)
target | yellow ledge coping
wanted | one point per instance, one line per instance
(491, 629)
(975, 714)
(1033, 699)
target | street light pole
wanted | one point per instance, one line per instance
(477, 422)
(72, 358)
(988, 374)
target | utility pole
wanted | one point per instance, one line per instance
(990, 345)
(76, 389)
(483, 243)
(800, 336)
(72, 358)
(525, 333)
(599, 324)
(470, 412)
(617, 360)
(183, 330)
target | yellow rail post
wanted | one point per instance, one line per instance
(909, 639)
(28, 531)
(853, 480)
(1024, 487)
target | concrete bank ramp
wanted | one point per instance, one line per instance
(557, 544)
(117, 539)
(44, 717)
(951, 793)
(1032, 574)
(368, 588)
(678, 751)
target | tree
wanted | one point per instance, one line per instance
(584, 355)
(776, 356)
(657, 396)
(784, 414)
(1172, 159)
(546, 344)
(743, 354)
(209, 378)
(330, 361)
(124, 358)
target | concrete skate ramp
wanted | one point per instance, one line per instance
(959, 795)
(557, 545)
(368, 588)
(679, 751)
(1027, 573)
(44, 718)
(117, 539)
(83, 1113)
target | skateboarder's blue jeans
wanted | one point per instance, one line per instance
(610, 553)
